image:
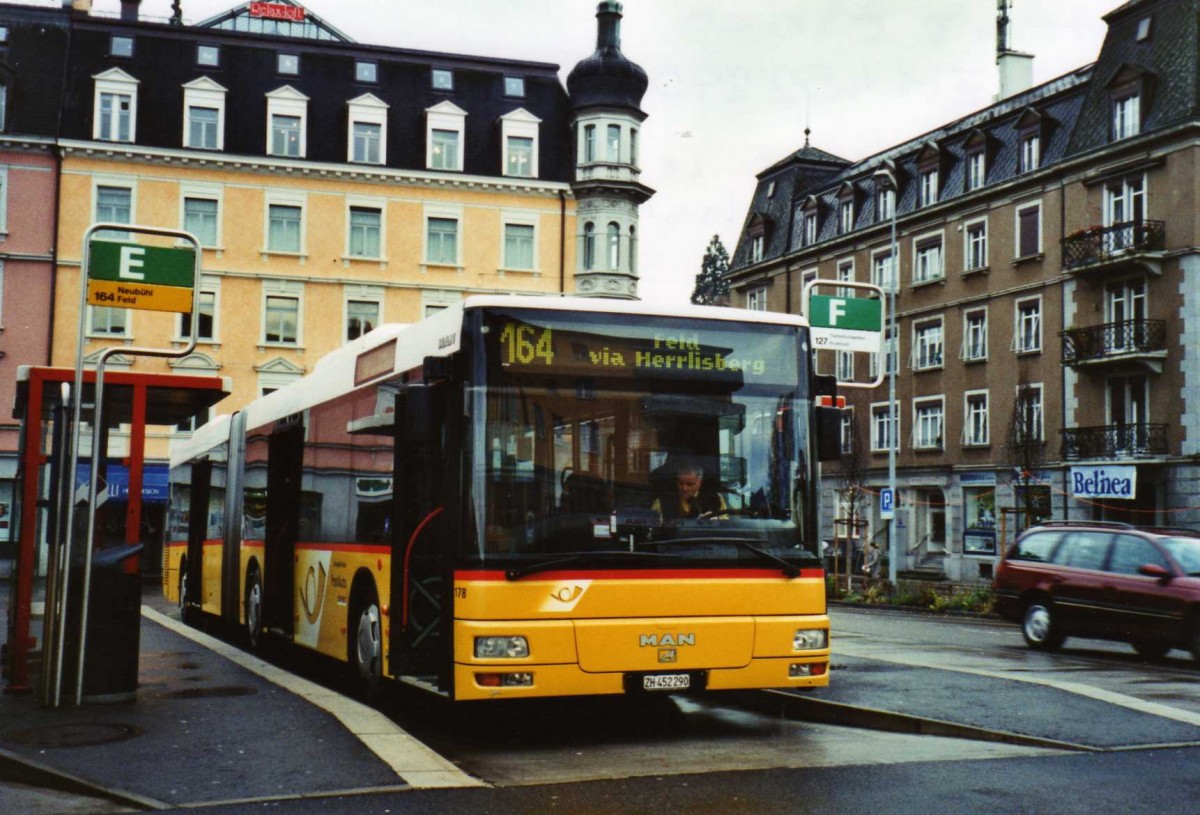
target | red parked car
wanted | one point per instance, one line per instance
(1106, 581)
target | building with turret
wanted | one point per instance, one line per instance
(1046, 280)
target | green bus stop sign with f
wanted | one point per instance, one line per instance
(846, 323)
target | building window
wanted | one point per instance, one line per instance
(885, 427)
(589, 246)
(205, 316)
(288, 64)
(633, 249)
(281, 322)
(756, 299)
(116, 117)
(810, 228)
(976, 255)
(445, 150)
(1027, 338)
(1127, 117)
(1124, 202)
(208, 55)
(362, 316)
(366, 227)
(885, 204)
(283, 231)
(518, 246)
(108, 322)
(975, 424)
(612, 144)
(844, 366)
(203, 127)
(3, 107)
(927, 345)
(848, 430)
(929, 188)
(928, 416)
(1029, 231)
(514, 86)
(120, 46)
(846, 216)
(115, 107)
(927, 265)
(756, 248)
(368, 139)
(520, 157)
(114, 205)
(442, 79)
(200, 218)
(441, 242)
(975, 335)
(366, 72)
(883, 271)
(285, 136)
(589, 143)
(976, 170)
(1031, 152)
(614, 246)
(1028, 415)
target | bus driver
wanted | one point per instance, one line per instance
(691, 500)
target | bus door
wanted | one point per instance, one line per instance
(197, 531)
(426, 475)
(285, 458)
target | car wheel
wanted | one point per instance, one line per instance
(253, 609)
(1039, 626)
(366, 648)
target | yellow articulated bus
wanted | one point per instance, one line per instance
(522, 497)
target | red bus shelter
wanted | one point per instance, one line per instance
(134, 399)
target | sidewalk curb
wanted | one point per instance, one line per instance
(20, 770)
(838, 713)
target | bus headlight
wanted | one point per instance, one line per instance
(808, 639)
(501, 648)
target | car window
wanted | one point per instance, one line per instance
(1083, 550)
(1037, 546)
(1130, 553)
(1186, 552)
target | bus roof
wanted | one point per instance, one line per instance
(440, 335)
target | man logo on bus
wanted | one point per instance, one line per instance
(659, 640)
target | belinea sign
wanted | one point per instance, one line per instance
(1113, 481)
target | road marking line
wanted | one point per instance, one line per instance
(1078, 688)
(420, 766)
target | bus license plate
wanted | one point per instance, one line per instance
(666, 682)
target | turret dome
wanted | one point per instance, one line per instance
(607, 78)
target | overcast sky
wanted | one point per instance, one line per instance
(733, 83)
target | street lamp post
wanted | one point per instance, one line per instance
(891, 343)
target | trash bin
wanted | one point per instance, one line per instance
(114, 622)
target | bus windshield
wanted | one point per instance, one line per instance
(602, 433)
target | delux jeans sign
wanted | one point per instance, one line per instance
(1109, 481)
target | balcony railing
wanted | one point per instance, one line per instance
(1115, 441)
(1104, 242)
(1113, 340)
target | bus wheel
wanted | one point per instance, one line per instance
(366, 646)
(253, 609)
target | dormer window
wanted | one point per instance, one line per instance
(288, 64)
(1030, 126)
(1143, 29)
(929, 187)
(1129, 90)
(809, 223)
(367, 136)
(756, 247)
(366, 72)
(287, 123)
(519, 137)
(115, 107)
(929, 161)
(757, 232)
(770, 189)
(846, 213)
(445, 127)
(976, 151)
(208, 56)
(442, 79)
(1127, 116)
(514, 86)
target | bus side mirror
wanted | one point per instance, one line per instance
(829, 433)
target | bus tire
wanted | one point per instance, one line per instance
(253, 609)
(365, 643)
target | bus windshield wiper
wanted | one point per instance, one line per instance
(788, 569)
(544, 565)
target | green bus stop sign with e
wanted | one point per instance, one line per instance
(846, 323)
